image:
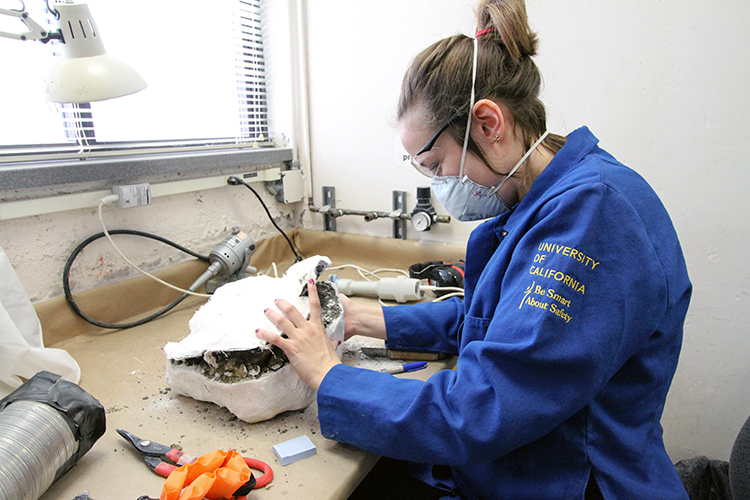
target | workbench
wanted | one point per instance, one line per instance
(125, 371)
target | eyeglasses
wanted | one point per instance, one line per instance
(429, 165)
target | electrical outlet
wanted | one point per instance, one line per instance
(133, 195)
(267, 175)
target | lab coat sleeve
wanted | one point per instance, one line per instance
(427, 327)
(22, 351)
(524, 369)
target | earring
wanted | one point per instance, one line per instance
(497, 138)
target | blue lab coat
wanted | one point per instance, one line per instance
(568, 338)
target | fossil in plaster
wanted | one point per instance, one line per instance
(222, 360)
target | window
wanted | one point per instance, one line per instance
(205, 68)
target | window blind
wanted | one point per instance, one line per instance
(205, 70)
(251, 81)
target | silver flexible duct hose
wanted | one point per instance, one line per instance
(35, 442)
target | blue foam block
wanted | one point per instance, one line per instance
(295, 449)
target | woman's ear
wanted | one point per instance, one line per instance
(489, 121)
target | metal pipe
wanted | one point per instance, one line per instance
(371, 215)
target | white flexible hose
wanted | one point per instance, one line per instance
(111, 199)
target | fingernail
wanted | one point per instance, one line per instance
(265, 310)
(311, 281)
(257, 330)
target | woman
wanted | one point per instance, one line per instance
(570, 329)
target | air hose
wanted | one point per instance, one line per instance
(89, 240)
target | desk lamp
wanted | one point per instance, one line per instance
(85, 72)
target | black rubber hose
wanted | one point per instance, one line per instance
(86, 242)
(236, 181)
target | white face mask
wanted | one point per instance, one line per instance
(466, 200)
(463, 198)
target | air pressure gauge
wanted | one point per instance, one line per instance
(423, 213)
(421, 221)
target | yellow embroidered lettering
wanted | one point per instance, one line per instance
(560, 312)
(573, 253)
(535, 303)
(558, 298)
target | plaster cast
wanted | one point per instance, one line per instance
(224, 362)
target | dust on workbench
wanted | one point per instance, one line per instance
(158, 405)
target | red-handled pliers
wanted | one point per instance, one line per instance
(164, 459)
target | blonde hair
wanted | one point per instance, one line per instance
(439, 78)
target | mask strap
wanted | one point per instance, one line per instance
(471, 110)
(520, 162)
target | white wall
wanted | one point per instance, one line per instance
(664, 85)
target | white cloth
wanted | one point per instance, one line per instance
(22, 352)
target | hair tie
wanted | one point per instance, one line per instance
(484, 32)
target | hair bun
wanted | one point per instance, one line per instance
(508, 20)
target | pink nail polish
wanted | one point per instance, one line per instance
(311, 281)
(265, 310)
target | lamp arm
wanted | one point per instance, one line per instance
(35, 31)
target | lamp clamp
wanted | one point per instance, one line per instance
(35, 30)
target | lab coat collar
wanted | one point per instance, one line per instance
(580, 143)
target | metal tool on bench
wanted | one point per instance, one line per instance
(382, 352)
(163, 459)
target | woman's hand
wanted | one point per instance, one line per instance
(311, 353)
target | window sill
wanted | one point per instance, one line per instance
(75, 176)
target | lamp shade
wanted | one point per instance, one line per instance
(86, 73)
